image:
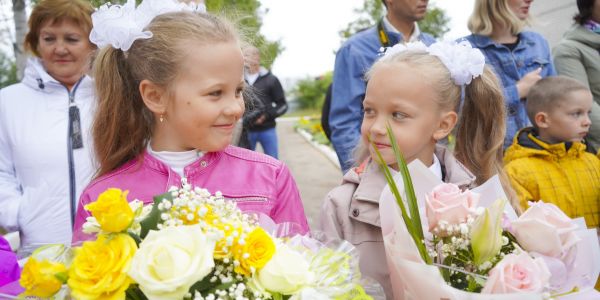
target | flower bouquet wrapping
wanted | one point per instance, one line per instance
(445, 243)
(190, 245)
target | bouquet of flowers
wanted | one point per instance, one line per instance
(189, 245)
(473, 246)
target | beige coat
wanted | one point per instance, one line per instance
(351, 212)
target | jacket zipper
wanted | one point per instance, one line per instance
(72, 182)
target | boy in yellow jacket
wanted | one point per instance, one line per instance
(549, 161)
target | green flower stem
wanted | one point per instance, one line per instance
(413, 222)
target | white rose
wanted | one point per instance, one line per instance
(171, 260)
(545, 229)
(287, 272)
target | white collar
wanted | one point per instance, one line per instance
(251, 78)
(262, 71)
(436, 167)
(414, 37)
(177, 161)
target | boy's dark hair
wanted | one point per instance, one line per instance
(547, 92)
(585, 8)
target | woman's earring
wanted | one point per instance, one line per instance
(161, 118)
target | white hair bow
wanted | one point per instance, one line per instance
(464, 62)
(120, 25)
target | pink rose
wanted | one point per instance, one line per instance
(517, 273)
(545, 229)
(447, 203)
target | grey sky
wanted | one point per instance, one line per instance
(309, 30)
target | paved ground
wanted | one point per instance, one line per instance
(313, 172)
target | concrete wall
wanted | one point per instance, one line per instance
(552, 18)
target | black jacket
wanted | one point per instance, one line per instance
(268, 90)
(254, 109)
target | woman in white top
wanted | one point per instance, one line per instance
(45, 150)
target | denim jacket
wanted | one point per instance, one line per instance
(531, 52)
(352, 61)
(256, 182)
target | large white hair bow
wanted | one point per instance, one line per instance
(120, 25)
(462, 60)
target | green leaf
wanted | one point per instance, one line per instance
(151, 221)
(62, 276)
(135, 237)
(413, 222)
(203, 285)
(413, 206)
(393, 187)
(133, 292)
(277, 296)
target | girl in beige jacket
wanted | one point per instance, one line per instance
(416, 95)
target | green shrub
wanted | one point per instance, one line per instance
(310, 92)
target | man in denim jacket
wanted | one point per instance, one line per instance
(355, 58)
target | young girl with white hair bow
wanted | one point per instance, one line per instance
(170, 82)
(424, 94)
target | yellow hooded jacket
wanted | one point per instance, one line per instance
(563, 174)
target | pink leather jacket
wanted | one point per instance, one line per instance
(257, 182)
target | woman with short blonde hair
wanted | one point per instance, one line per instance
(487, 13)
(520, 58)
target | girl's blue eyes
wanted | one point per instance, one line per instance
(395, 115)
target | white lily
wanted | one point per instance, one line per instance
(486, 233)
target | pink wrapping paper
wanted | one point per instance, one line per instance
(413, 279)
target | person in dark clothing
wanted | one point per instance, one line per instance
(325, 113)
(254, 109)
(268, 90)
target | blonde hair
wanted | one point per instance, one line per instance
(55, 11)
(481, 124)
(487, 13)
(123, 124)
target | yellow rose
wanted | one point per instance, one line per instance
(112, 211)
(99, 269)
(42, 279)
(257, 250)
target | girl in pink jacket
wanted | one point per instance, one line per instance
(419, 95)
(167, 107)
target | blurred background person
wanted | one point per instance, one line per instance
(520, 58)
(578, 56)
(268, 90)
(45, 151)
